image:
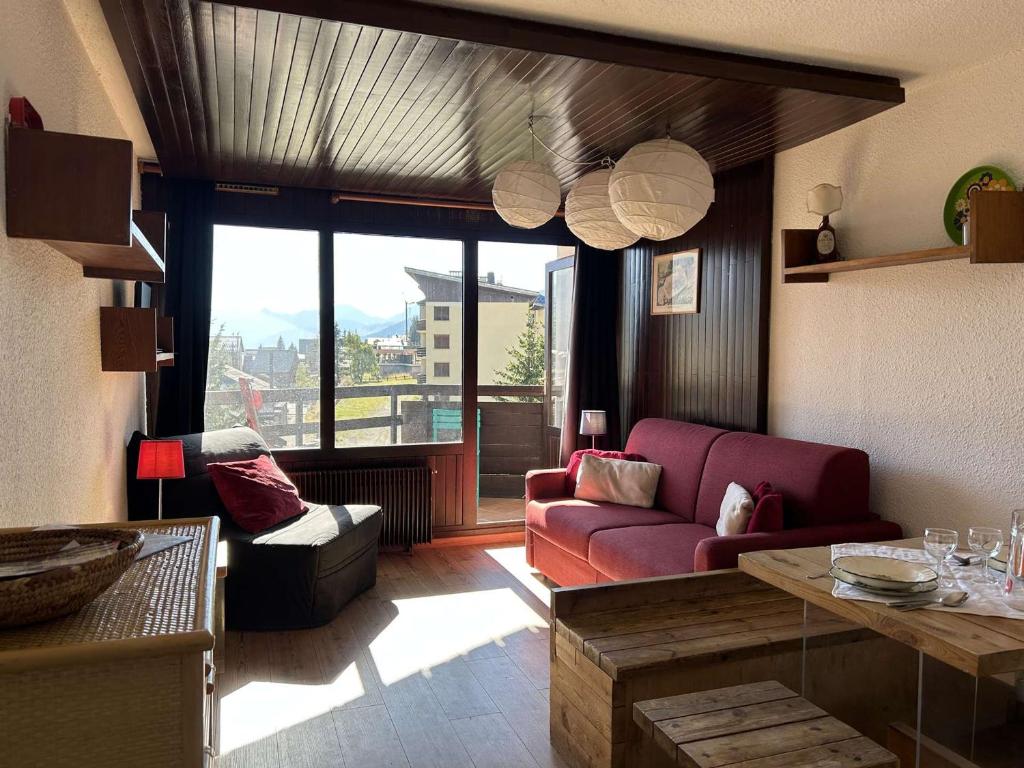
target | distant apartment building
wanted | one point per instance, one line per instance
(503, 313)
(395, 356)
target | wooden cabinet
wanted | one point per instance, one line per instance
(75, 193)
(127, 680)
(135, 339)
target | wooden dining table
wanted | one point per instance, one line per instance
(977, 645)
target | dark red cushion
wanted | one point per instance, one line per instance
(681, 449)
(822, 484)
(257, 494)
(767, 517)
(570, 523)
(572, 468)
(644, 551)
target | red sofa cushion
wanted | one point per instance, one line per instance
(569, 523)
(821, 484)
(768, 511)
(640, 552)
(681, 449)
(257, 494)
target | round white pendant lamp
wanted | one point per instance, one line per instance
(589, 214)
(526, 194)
(661, 188)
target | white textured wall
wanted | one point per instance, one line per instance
(63, 422)
(921, 366)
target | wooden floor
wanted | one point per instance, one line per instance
(495, 510)
(444, 663)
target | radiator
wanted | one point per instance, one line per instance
(402, 493)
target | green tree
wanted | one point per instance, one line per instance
(218, 361)
(526, 357)
(354, 356)
(304, 379)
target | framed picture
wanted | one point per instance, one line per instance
(675, 283)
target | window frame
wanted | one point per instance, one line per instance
(279, 215)
(447, 312)
(447, 367)
(447, 341)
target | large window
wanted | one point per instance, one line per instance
(265, 334)
(398, 323)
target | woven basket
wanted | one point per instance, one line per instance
(62, 590)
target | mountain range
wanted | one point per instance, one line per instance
(265, 326)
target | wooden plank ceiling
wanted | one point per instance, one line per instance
(403, 99)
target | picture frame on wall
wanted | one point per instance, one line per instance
(675, 283)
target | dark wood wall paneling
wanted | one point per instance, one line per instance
(710, 367)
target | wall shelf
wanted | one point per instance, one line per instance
(135, 339)
(74, 192)
(997, 237)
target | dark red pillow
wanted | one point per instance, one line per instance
(572, 469)
(257, 494)
(767, 517)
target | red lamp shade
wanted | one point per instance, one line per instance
(161, 460)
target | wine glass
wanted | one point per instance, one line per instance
(986, 541)
(940, 543)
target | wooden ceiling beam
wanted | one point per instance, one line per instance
(508, 32)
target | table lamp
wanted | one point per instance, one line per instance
(593, 423)
(161, 460)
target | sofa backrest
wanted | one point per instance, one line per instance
(820, 484)
(681, 449)
(195, 494)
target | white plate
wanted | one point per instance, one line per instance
(894, 590)
(886, 572)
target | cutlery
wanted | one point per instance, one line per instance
(951, 600)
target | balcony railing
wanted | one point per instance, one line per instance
(292, 405)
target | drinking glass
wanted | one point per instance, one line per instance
(987, 542)
(940, 543)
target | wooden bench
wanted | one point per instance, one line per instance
(760, 725)
(616, 644)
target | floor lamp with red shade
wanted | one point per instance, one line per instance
(161, 460)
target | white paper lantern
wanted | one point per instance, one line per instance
(661, 188)
(589, 214)
(526, 194)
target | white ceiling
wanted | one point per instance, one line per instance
(908, 39)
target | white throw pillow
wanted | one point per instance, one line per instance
(621, 482)
(737, 507)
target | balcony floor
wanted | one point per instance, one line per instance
(495, 510)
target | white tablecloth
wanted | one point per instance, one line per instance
(986, 599)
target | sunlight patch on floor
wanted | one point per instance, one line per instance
(260, 709)
(513, 560)
(429, 631)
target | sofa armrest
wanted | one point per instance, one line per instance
(719, 552)
(546, 484)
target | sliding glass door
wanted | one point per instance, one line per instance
(340, 348)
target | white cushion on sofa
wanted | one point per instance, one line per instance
(737, 507)
(633, 483)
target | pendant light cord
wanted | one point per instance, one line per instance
(605, 162)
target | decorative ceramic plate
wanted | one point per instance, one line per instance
(893, 591)
(958, 206)
(885, 572)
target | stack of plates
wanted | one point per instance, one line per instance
(884, 575)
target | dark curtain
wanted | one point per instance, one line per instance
(592, 381)
(186, 298)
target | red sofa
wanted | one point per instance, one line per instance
(824, 487)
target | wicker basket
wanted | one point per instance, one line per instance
(64, 590)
